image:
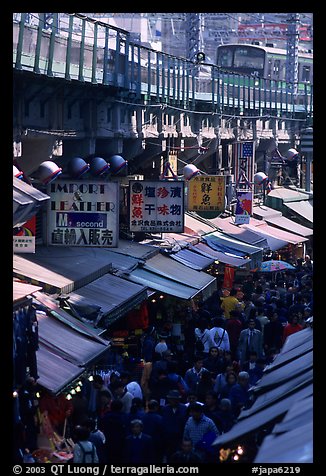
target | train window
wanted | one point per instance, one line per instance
(305, 73)
(249, 58)
(225, 58)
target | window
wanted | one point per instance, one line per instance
(224, 58)
(305, 73)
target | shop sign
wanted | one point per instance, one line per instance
(84, 213)
(24, 237)
(243, 208)
(156, 206)
(207, 193)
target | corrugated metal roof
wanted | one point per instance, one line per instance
(58, 313)
(192, 260)
(54, 372)
(114, 295)
(67, 343)
(62, 269)
(135, 249)
(162, 284)
(171, 269)
(206, 250)
(287, 224)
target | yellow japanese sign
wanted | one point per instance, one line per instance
(206, 193)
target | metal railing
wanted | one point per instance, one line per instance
(75, 47)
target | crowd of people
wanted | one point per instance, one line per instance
(172, 411)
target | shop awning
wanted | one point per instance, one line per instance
(292, 369)
(115, 296)
(135, 250)
(192, 260)
(295, 417)
(278, 393)
(261, 227)
(297, 339)
(207, 251)
(85, 328)
(55, 373)
(121, 262)
(162, 284)
(197, 226)
(22, 290)
(228, 227)
(261, 212)
(287, 224)
(171, 269)
(263, 417)
(294, 435)
(286, 194)
(67, 343)
(226, 244)
(172, 240)
(27, 200)
(62, 269)
(297, 446)
(303, 208)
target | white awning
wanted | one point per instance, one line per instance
(304, 208)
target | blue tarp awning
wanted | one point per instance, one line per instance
(207, 251)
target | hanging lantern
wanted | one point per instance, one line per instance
(48, 171)
(17, 173)
(190, 171)
(77, 167)
(117, 163)
(98, 166)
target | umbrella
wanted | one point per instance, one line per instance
(274, 265)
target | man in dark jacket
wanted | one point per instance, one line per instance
(138, 447)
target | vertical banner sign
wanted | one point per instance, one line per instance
(24, 238)
(206, 193)
(156, 206)
(243, 150)
(84, 213)
(228, 277)
(243, 208)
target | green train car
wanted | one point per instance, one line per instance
(262, 61)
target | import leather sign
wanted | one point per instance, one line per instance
(84, 213)
(156, 206)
